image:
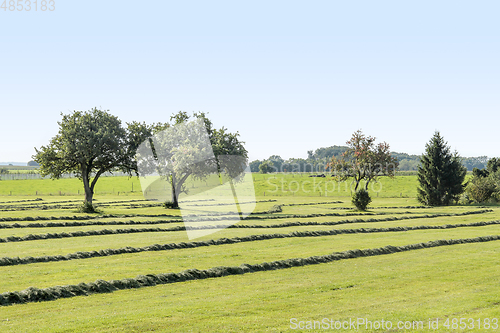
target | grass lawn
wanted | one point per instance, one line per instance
(440, 283)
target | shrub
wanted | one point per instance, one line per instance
(170, 205)
(87, 207)
(481, 189)
(361, 199)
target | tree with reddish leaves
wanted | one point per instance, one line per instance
(363, 160)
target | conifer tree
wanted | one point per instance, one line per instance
(441, 174)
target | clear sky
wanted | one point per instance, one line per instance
(290, 76)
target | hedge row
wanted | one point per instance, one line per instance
(33, 294)
(281, 225)
(7, 261)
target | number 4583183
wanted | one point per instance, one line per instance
(28, 5)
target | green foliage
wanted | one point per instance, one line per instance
(88, 208)
(441, 174)
(326, 153)
(170, 205)
(276, 162)
(472, 163)
(361, 199)
(254, 166)
(4, 171)
(33, 164)
(409, 164)
(266, 167)
(88, 144)
(178, 151)
(481, 189)
(363, 160)
(485, 183)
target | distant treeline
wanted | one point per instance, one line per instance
(316, 161)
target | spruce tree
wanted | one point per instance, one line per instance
(441, 174)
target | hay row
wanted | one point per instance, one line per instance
(102, 232)
(85, 223)
(33, 294)
(80, 218)
(50, 206)
(370, 220)
(57, 204)
(232, 203)
(314, 203)
(281, 225)
(18, 201)
(12, 261)
(389, 207)
(221, 216)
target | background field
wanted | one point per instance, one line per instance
(45, 243)
(265, 185)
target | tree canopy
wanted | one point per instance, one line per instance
(441, 174)
(192, 150)
(90, 143)
(266, 167)
(363, 160)
(485, 183)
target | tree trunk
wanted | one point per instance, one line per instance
(89, 193)
(174, 192)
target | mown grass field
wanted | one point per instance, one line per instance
(265, 185)
(131, 268)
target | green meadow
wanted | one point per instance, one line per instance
(304, 260)
(292, 184)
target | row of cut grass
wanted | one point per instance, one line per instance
(126, 265)
(395, 287)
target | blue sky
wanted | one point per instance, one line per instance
(290, 76)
